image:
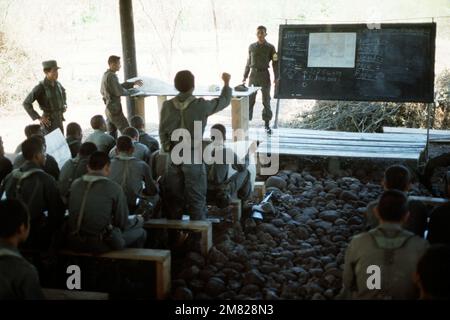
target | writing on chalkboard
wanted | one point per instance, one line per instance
(392, 62)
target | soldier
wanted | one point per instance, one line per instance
(74, 169)
(140, 152)
(185, 183)
(222, 188)
(132, 174)
(38, 191)
(111, 91)
(103, 141)
(98, 212)
(5, 164)
(74, 134)
(29, 131)
(260, 54)
(144, 138)
(19, 279)
(390, 247)
(51, 166)
(51, 97)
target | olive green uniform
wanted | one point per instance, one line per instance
(51, 98)
(70, 171)
(186, 184)
(259, 57)
(104, 142)
(112, 90)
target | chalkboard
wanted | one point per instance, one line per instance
(384, 62)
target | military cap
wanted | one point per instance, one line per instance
(49, 64)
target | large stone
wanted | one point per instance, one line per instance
(310, 212)
(301, 233)
(196, 258)
(183, 293)
(270, 229)
(215, 286)
(249, 290)
(348, 196)
(215, 256)
(277, 182)
(329, 215)
(254, 277)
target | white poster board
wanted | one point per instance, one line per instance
(332, 49)
(57, 147)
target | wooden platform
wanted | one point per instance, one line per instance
(304, 142)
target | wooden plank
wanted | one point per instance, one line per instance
(178, 224)
(430, 200)
(57, 294)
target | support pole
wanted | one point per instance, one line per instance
(128, 49)
(428, 130)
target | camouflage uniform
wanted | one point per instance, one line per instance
(259, 57)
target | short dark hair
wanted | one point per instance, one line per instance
(433, 270)
(97, 121)
(262, 28)
(32, 129)
(124, 144)
(98, 160)
(221, 128)
(397, 177)
(13, 214)
(131, 132)
(113, 59)
(137, 122)
(73, 129)
(87, 148)
(184, 81)
(392, 206)
(31, 147)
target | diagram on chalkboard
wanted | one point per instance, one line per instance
(332, 50)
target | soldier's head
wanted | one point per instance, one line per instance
(98, 123)
(218, 133)
(14, 222)
(261, 33)
(114, 63)
(397, 177)
(99, 163)
(33, 129)
(131, 132)
(392, 207)
(50, 68)
(33, 149)
(124, 145)
(184, 81)
(137, 122)
(432, 276)
(73, 130)
(86, 149)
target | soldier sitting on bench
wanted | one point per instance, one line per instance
(38, 190)
(99, 137)
(18, 278)
(222, 188)
(30, 131)
(152, 144)
(74, 134)
(133, 175)
(98, 213)
(140, 152)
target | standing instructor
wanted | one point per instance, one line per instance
(260, 54)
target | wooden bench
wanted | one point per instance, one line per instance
(442, 136)
(204, 227)
(161, 258)
(432, 201)
(57, 294)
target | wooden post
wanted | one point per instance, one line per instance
(236, 210)
(128, 48)
(160, 102)
(260, 189)
(239, 118)
(140, 107)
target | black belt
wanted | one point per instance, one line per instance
(259, 70)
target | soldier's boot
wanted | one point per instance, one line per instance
(267, 128)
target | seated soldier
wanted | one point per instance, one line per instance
(140, 152)
(442, 160)
(432, 275)
(222, 188)
(29, 131)
(38, 191)
(152, 144)
(397, 177)
(74, 134)
(5, 164)
(99, 137)
(19, 279)
(74, 169)
(51, 166)
(393, 249)
(132, 174)
(98, 212)
(439, 223)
